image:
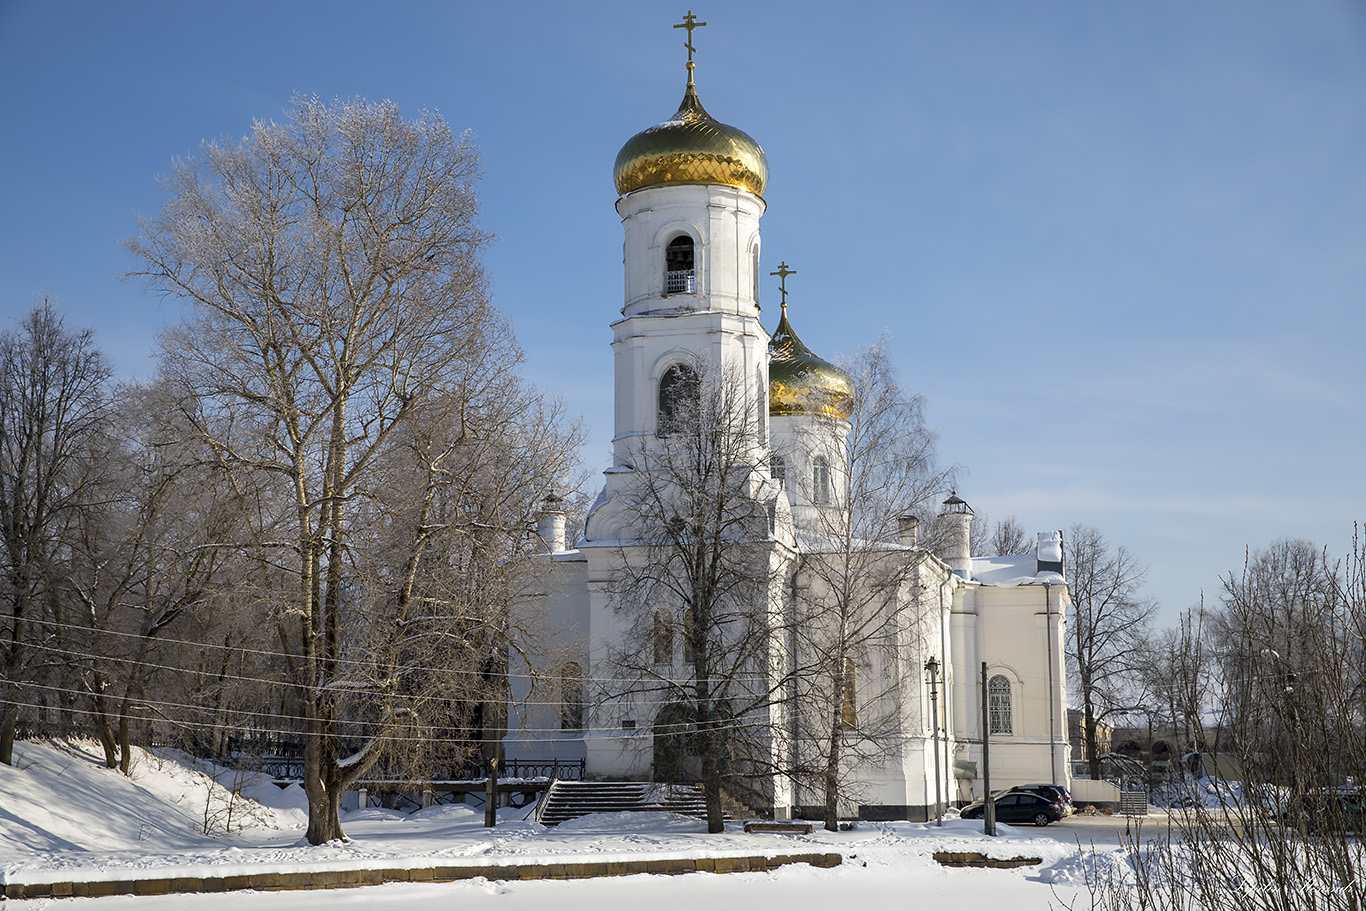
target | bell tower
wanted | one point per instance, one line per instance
(691, 196)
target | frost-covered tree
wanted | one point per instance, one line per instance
(700, 550)
(863, 600)
(331, 267)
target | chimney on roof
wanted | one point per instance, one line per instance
(1049, 554)
(908, 529)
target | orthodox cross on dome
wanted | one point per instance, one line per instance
(782, 273)
(689, 22)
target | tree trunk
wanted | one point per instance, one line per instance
(125, 732)
(7, 724)
(832, 758)
(832, 764)
(1091, 737)
(711, 776)
(14, 661)
(103, 729)
(324, 817)
(322, 784)
(125, 746)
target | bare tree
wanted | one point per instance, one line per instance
(53, 407)
(1004, 538)
(861, 611)
(1287, 650)
(1176, 677)
(148, 554)
(700, 549)
(453, 503)
(331, 264)
(1107, 626)
(1288, 642)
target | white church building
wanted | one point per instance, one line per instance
(690, 195)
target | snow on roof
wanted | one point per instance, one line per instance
(1020, 569)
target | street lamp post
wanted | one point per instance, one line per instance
(932, 668)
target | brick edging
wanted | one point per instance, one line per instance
(345, 879)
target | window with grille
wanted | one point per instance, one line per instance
(820, 481)
(998, 705)
(664, 638)
(849, 705)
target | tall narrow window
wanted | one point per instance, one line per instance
(849, 705)
(679, 397)
(679, 276)
(571, 697)
(998, 705)
(664, 637)
(777, 467)
(687, 636)
(754, 272)
(761, 404)
(820, 481)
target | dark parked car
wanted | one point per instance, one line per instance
(1327, 809)
(1052, 792)
(1019, 806)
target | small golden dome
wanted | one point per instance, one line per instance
(799, 382)
(691, 148)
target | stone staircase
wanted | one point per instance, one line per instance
(572, 799)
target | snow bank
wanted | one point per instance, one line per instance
(64, 816)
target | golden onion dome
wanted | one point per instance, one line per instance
(691, 148)
(799, 382)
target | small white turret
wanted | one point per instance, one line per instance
(957, 519)
(550, 524)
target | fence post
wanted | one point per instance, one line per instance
(362, 799)
(426, 798)
(491, 795)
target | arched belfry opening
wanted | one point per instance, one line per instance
(679, 266)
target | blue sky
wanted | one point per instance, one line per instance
(1120, 248)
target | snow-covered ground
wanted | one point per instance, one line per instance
(65, 817)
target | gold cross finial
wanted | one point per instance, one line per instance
(782, 273)
(690, 22)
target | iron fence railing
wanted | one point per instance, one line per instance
(291, 768)
(678, 281)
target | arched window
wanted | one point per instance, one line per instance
(754, 272)
(849, 706)
(820, 481)
(777, 466)
(678, 266)
(664, 637)
(679, 398)
(687, 636)
(998, 705)
(571, 697)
